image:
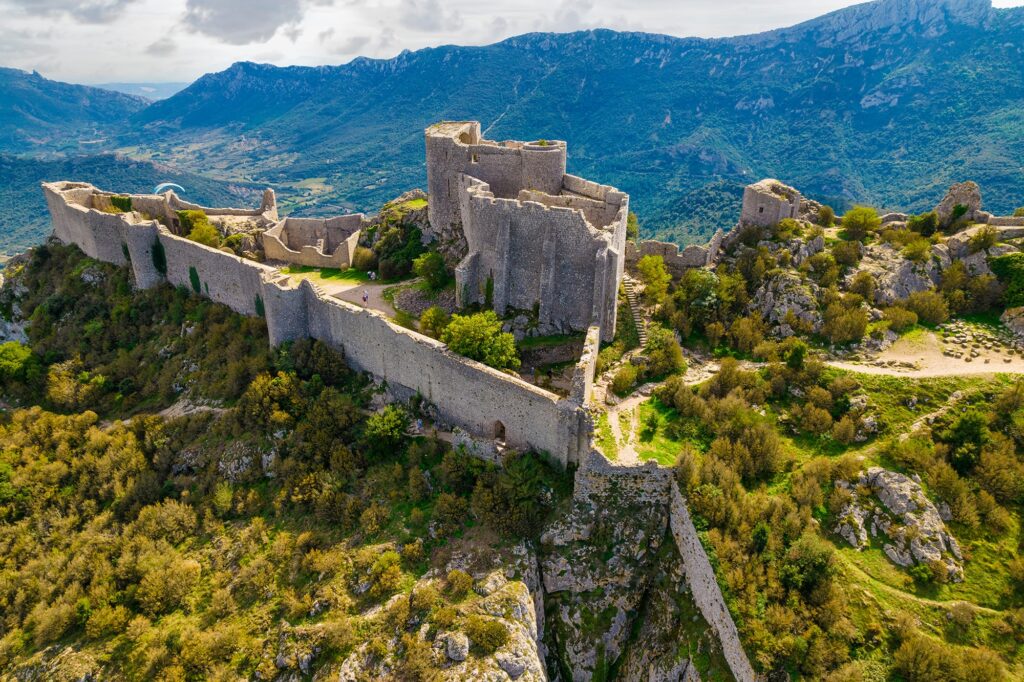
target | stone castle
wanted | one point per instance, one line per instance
(529, 236)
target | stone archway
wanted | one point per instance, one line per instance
(499, 432)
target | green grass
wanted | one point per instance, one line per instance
(413, 204)
(603, 437)
(658, 445)
(327, 274)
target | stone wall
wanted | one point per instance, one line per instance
(318, 243)
(464, 393)
(676, 262)
(700, 576)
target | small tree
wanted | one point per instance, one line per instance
(985, 238)
(664, 354)
(159, 257)
(198, 228)
(430, 266)
(632, 227)
(364, 259)
(826, 216)
(655, 278)
(1019, 212)
(624, 379)
(433, 321)
(929, 306)
(385, 430)
(860, 221)
(924, 224)
(480, 337)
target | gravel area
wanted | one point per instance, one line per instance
(414, 301)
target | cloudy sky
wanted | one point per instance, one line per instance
(94, 41)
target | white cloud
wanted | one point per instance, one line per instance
(151, 40)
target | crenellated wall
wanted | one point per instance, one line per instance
(464, 393)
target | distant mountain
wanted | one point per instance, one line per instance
(150, 91)
(38, 114)
(884, 103)
(24, 220)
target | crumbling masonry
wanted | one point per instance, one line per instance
(527, 236)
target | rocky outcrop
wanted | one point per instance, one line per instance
(1013, 318)
(597, 561)
(908, 523)
(896, 277)
(784, 296)
(965, 194)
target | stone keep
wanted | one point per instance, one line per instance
(767, 202)
(535, 239)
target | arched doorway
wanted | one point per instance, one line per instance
(499, 432)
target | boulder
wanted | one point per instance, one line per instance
(961, 194)
(1013, 318)
(897, 277)
(456, 646)
(781, 294)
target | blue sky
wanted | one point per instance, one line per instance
(94, 41)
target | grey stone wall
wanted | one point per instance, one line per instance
(676, 262)
(319, 243)
(707, 595)
(464, 393)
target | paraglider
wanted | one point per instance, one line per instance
(164, 186)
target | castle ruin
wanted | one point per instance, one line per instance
(528, 236)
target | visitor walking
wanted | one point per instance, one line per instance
(366, 297)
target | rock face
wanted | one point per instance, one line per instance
(897, 277)
(782, 297)
(1013, 318)
(905, 517)
(966, 194)
(596, 563)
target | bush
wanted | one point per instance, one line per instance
(624, 379)
(984, 238)
(197, 227)
(430, 266)
(860, 221)
(899, 318)
(17, 363)
(918, 250)
(826, 216)
(864, 285)
(655, 278)
(1010, 271)
(159, 257)
(385, 430)
(1018, 212)
(487, 634)
(924, 224)
(459, 583)
(479, 336)
(433, 321)
(846, 253)
(664, 354)
(844, 430)
(632, 227)
(364, 259)
(844, 325)
(121, 203)
(929, 306)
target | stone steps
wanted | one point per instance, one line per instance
(634, 307)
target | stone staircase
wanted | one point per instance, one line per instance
(641, 329)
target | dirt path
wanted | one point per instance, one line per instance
(374, 291)
(626, 442)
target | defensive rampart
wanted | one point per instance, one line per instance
(464, 393)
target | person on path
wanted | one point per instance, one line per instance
(366, 297)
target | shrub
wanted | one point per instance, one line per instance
(924, 224)
(844, 325)
(459, 583)
(786, 229)
(664, 354)
(479, 336)
(930, 306)
(433, 321)
(1018, 212)
(864, 285)
(197, 227)
(486, 633)
(159, 257)
(17, 363)
(364, 259)
(624, 379)
(918, 250)
(846, 253)
(632, 227)
(430, 266)
(899, 318)
(385, 430)
(193, 278)
(1010, 271)
(826, 216)
(860, 221)
(121, 203)
(984, 238)
(844, 430)
(655, 278)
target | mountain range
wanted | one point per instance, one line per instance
(884, 103)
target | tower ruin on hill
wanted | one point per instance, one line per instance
(526, 236)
